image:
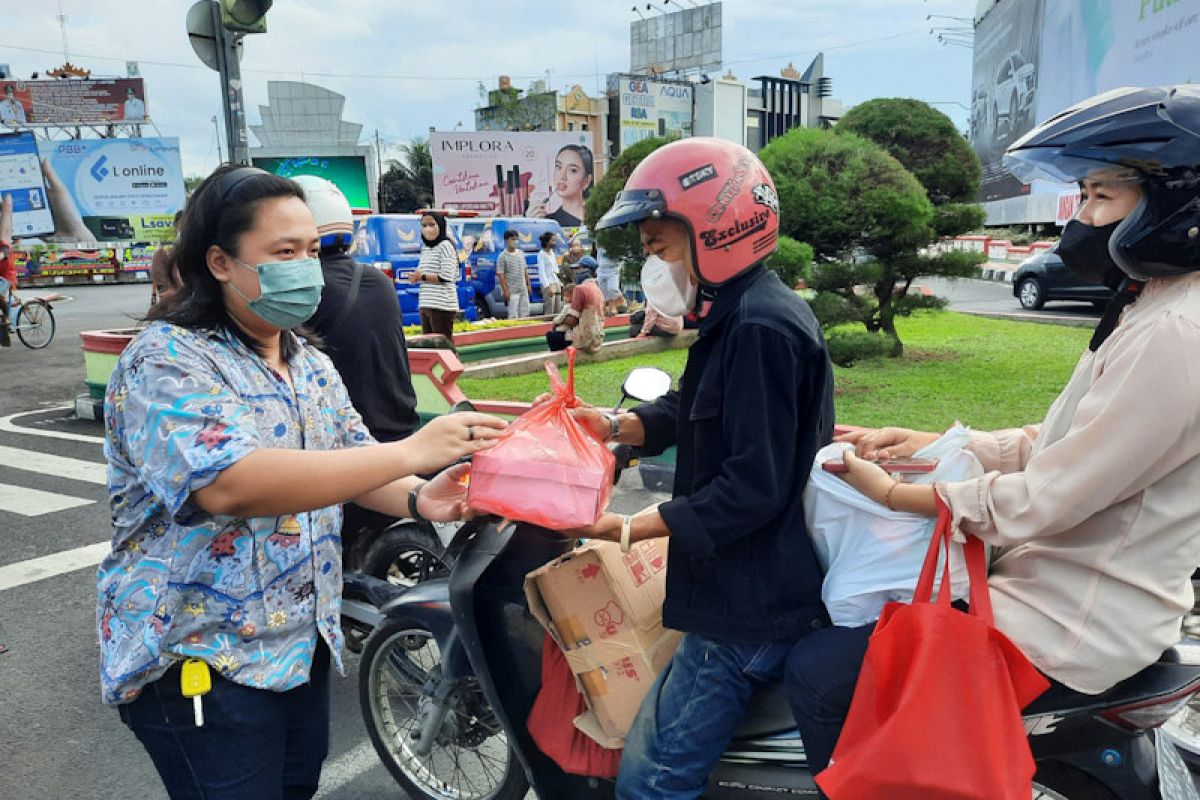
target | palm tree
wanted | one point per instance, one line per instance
(408, 184)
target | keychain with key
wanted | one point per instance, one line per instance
(195, 681)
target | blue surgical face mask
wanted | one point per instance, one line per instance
(289, 291)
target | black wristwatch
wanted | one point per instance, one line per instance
(412, 502)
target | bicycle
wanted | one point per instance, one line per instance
(32, 320)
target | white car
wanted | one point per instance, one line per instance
(1012, 97)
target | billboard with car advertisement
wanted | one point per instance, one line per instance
(1004, 88)
(515, 174)
(112, 190)
(1083, 48)
(68, 102)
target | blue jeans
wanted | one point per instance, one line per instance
(255, 744)
(690, 715)
(822, 671)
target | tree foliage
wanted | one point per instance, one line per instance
(868, 220)
(791, 260)
(842, 194)
(623, 245)
(954, 219)
(407, 185)
(924, 140)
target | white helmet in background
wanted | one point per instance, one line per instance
(329, 208)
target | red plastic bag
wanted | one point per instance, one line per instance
(937, 709)
(547, 470)
(552, 721)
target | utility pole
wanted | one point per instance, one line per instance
(216, 30)
(228, 57)
(217, 131)
(378, 172)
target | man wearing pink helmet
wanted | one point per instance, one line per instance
(754, 405)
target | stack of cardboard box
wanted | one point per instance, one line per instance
(604, 608)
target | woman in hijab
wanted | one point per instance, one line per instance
(437, 273)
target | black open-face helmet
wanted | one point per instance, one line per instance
(1155, 132)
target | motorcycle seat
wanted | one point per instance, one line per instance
(768, 713)
(1174, 670)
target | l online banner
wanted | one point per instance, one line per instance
(124, 189)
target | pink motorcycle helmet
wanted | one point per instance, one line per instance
(719, 190)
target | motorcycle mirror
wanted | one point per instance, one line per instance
(646, 384)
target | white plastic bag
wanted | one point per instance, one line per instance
(872, 555)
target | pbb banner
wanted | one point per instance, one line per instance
(123, 189)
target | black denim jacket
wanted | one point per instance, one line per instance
(755, 404)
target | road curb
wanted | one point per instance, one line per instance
(998, 273)
(1016, 316)
(621, 348)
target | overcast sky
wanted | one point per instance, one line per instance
(405, 66)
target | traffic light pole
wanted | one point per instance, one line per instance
(229, 68)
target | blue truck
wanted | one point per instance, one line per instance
(392, 243)
(480, 242)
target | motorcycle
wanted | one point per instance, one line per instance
(452, 665)
(401, 551)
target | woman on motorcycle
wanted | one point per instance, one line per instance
(231, 444)
(1096, 509)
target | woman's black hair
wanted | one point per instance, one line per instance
(546, 238)
(221, 209)
(441, 225)
(589, 164)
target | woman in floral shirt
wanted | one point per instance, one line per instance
(231, 444)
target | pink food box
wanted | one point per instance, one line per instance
(544, 493)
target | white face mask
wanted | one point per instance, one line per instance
(667, 287)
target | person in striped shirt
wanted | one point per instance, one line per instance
(437, 273)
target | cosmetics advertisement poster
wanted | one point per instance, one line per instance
(512, 174)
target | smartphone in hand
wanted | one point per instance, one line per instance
(895, 465)
(21, 178)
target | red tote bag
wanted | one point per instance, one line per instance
(936, 712)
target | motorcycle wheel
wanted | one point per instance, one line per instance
(406, 554)
(470, 758)
(1059, 782)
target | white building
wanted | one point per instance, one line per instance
(302, 133)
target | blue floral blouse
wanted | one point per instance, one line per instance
(248, 596)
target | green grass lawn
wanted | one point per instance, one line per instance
(987, 373)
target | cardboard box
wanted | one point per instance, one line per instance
(543, 493)
(604, 609)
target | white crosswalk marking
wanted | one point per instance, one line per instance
(34, 502)
(20, 466)
(46, 464)
(35, 569)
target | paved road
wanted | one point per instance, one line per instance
(54, 375)
(996, 299)
(56, 739)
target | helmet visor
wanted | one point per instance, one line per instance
(1049, 164)
(633, 206)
